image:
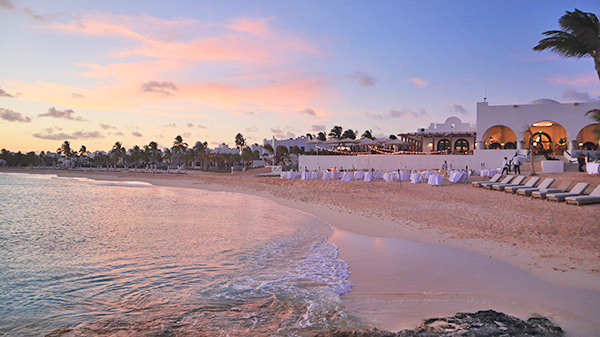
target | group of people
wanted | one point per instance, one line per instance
(515, 162)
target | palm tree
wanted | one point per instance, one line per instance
(579, 37)
(240, 141)
(322, 136)
(310, 136)
(336, 132)
(65, 149)
(349, 134)
(118, 152)
(595, 114)
(368, 134)
(179, 148)
(151, 152)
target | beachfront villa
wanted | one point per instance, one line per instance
(300, 142)
(559, 129)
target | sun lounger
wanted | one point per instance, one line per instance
(576, 190)
(541, 194)
(593, 198)
(543, 185)
(489, 185)
(494, 179)
(530, 183)
(516, 182)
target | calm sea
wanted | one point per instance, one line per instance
(84, 257)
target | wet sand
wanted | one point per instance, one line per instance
(547, 246)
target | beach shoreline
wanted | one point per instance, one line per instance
(556, 242)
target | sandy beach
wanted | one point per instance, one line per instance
(556, 242)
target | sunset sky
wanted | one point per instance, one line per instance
(98, 72)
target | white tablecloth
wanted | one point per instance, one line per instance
(404, 175)
(425, 176)
(488, 173)
(359, 175)
(305, 175)
(390, 176)
(456, 176)
(368, 176)
(327, 175)
(435, 179)
(414, 177)
(378, 174)
(347, 176)
(592, 168)
(314, 175)
(337, 175)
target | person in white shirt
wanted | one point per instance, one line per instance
(516, 162)
(505, 166)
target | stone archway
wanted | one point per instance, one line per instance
(496, 137)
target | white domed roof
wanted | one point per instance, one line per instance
(544, 101)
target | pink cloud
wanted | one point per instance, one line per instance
(576, 80)
(419, 82)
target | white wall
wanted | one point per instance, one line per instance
(490, 158)
(518, 117)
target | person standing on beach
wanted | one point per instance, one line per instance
(581, 162)
(505, 166)
(516, 162)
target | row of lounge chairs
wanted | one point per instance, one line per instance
(515, 185)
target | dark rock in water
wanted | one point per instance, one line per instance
(480, 324)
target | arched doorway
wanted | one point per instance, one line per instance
(498, 136)
(443, 145)
(588, 137)
(461, 145)
(548, 137)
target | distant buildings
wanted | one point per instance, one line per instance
(451, 137)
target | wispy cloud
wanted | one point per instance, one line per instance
(107, 126)
(251, 129)
(399, 113)
(3, 93)
(309, 111)
(7, 4)
(136, 134)
(50, 134)
(317, 127)
(64, 114)
(13, 116)
(163, 87)
(576, 80)
(458, 108)
(77, 95)
(362, 79)
(41, 18)
(571, 94)
(419, 82)
(283, 133)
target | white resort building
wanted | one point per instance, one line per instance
(562, 130)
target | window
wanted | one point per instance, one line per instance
(461, 145)
(443, 145)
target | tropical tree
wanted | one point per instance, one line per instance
(595, 114)
(118, 152)
(368, 134)
(310, 136)
(579, 37)
(351, 134)
(83, 151)
(179, 148)
(65, 149)
(322, 136)
(151, 152)
(336, 132)
(530, 133)
(247, 154)
(393, 137)
(240, 141)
